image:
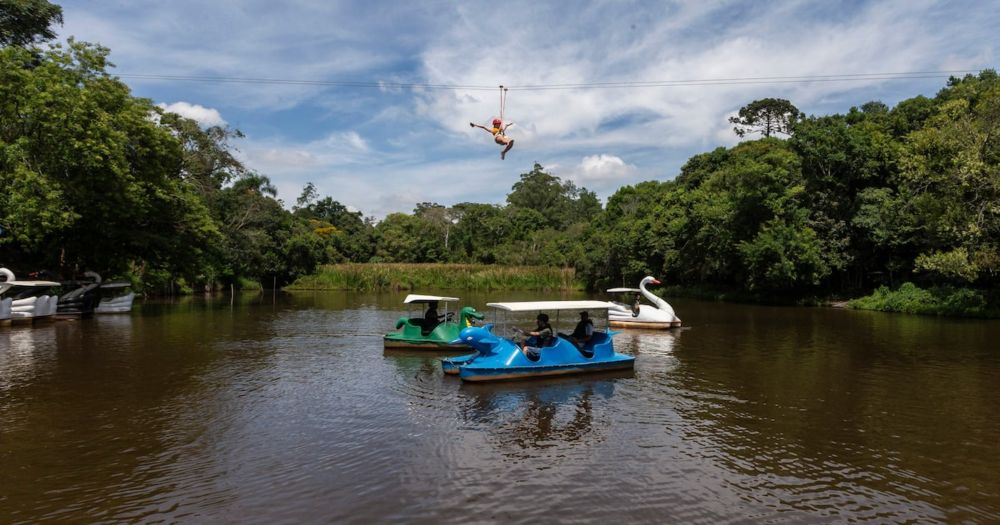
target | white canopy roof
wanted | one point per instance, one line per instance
(532, 306)
(625, 290)
(33, 283)
(116, 284)
(415, 298)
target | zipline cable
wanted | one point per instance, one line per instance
(849, 77)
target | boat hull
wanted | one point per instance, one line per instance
(509, 374)
(451, 365)
(73, 315)
(500, 359)
(647, 325)
(433, 346)
(113, 309)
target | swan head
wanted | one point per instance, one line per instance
(649, 279)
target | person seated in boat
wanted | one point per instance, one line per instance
(498, 130)
(542, 336)
(583, 332)
(635, 305)
(431, 318)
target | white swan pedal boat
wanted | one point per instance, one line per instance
(26, 301)
(658, 316)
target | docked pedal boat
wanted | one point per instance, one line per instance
(28, 300)
(116, 298)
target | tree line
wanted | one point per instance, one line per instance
(92, 177)
(847, 202)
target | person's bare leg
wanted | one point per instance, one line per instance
(504, 152)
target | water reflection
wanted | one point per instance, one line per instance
(22, 352)
(653, 349)
(821, 410)
(521, 416)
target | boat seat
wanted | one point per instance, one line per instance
(427, 328)
(597, 338)
(587, 350)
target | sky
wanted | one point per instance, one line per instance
(383, 148)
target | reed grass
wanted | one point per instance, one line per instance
(402, 276)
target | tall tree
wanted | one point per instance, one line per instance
(24, 22)
(766, 116)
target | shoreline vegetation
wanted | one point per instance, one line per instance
(416, 277)
(939, 300)
(907, 298)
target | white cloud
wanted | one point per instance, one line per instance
(603, 170)
(718, 41)
(200, 114)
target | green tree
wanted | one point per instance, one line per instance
(25, 22)
(348, 236)
(90, 181)
(401, 237)
(766, 116)
(560, 203)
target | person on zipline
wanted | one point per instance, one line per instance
(499, 137)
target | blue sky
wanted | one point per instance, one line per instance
(384, 149)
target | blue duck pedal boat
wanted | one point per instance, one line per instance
(499, 358)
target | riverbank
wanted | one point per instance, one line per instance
(908, 299)
(942, 300)
(401, 276)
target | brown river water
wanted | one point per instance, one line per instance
(286, 409)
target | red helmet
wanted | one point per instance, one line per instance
(497, 122)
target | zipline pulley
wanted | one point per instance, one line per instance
(503, 100)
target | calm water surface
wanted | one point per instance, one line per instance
(290, 410)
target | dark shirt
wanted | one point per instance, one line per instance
(430, 320)
(544, 336)
(584, 329)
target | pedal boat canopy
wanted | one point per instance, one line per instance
(416, 298)
(533, 306)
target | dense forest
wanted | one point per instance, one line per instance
(92, 177)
